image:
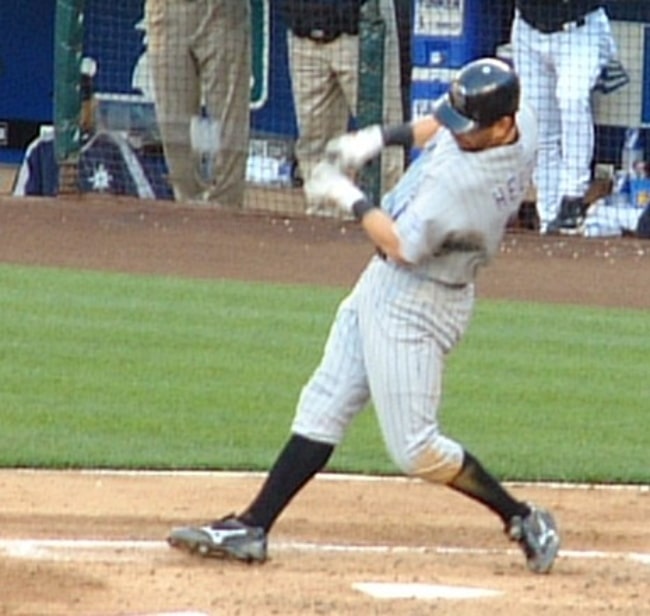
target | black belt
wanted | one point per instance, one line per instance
(318, 35)
(566, 26)
(449, 285)
(453, 285)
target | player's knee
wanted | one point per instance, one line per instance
(438, 462)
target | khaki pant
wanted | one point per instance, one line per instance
(324, 78)
(199, 51)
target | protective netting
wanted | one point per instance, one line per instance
(231, 102)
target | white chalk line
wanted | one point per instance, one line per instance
(48, 548)
(119, 550)
(551, 485)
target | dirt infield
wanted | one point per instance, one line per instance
(79, 543)
(335, 535)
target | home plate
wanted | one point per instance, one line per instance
(384, 590)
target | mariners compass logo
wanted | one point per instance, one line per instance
(100, 179)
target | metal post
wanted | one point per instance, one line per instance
(68, 49)
(372, 34)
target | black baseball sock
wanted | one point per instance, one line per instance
(474, 481)
(298, 462)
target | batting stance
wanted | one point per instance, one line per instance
(443, 220)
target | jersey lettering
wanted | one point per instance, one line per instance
(508, 194)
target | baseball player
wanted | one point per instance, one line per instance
(443, 220)
(199, 55)
(559, 50)
(323, 52)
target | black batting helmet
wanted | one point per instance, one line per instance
(482, 92)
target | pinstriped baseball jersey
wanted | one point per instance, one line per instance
(451, 210)
(391, 334)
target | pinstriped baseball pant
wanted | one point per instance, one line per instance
(388, 342)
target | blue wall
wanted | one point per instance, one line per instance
(26, 66)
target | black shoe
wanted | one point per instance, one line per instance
(572, 213)
(228, 537)
(538, 538)
(570, 218)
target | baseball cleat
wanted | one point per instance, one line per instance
(226, 538)
(570, 218)
(538, 537)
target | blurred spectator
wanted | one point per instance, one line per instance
(323, 46)
(200, 58)
(560, 48)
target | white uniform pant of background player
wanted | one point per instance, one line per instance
(388, 341)
(558, 71)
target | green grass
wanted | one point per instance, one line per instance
(108, 370)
